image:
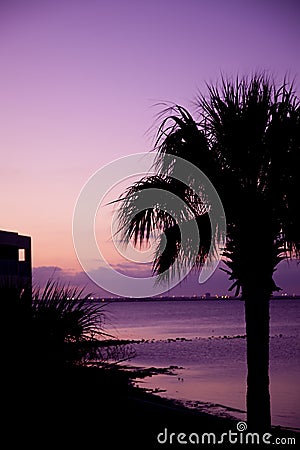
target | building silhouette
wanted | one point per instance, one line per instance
(15, 260)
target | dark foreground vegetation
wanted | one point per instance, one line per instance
(62, 386)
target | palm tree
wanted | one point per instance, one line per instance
(247, 141)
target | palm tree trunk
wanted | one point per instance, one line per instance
(257, 329)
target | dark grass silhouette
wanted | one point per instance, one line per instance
(49, 327)
(59, 366)
(247, 141)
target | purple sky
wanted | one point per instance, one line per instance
(78, 82)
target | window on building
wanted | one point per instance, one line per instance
(21, 254)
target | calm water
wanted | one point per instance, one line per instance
(205, 340)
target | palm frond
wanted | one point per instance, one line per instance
(178, 134)
(140, 214)
(253, 128)
(174, 256)
(247, 142)
(63, 312)
(175, 207)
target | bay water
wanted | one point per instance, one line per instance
(203, 341)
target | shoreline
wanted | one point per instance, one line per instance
(197, 382)
(101, 407)
(195, 298)
(140, 373)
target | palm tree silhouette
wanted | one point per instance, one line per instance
(247, 141)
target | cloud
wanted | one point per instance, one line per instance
(189, 286)
(286, 276)
(41, 275)
(134, 270)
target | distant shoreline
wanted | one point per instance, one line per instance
(219, 298)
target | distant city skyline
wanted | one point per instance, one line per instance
(286, 277)
(78, 85)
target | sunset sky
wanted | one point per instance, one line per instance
(78, 83)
